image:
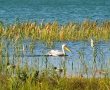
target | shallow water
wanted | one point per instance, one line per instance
(50, 10)
(79, 62)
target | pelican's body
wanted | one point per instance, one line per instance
(56, 53)
(59, 52)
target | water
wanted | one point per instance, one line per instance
(50, 10)
(79, 62)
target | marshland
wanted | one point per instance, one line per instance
(24, 63)
(32, 31)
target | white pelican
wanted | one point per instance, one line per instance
(59, 52)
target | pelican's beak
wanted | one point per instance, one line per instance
(66, 48)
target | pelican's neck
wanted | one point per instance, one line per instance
(63, 50)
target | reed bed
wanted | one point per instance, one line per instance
(60, 84)
(20, 78)
(55, 32)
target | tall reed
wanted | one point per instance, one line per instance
(50, 32)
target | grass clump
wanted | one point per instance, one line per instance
(54, 83)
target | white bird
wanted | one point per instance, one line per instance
(92, 43)
(59, 52)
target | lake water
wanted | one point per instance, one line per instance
(50, 10)
(79, 61)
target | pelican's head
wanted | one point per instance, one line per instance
(64, 46)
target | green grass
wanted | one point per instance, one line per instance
(51, 81)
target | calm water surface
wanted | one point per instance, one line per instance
(50, 10)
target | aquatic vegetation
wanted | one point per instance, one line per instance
(48, 79)
(50, 32)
